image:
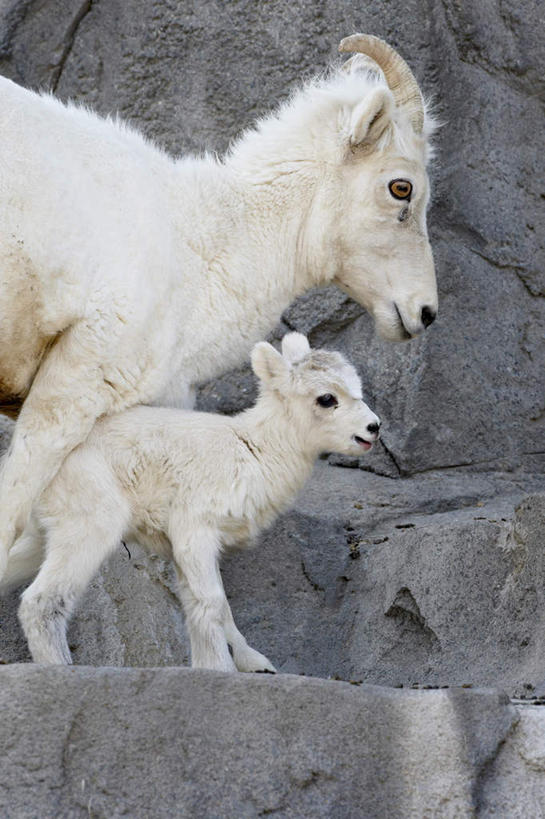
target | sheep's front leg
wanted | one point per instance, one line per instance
(68, 393)
(246, 658)
(203, 599)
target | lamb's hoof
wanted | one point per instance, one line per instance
(248, 659)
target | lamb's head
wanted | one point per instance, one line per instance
(320, 393)
(380, 190)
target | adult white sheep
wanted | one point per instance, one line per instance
(187, 485)
(128, 277)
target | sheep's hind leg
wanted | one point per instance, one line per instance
(246, 658)
(48, 602)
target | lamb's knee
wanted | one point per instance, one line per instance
(206, 610)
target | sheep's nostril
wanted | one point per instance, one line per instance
(428, 316)
(373, 428)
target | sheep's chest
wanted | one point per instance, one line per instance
(23, 338)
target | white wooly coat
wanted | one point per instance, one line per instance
(186, 485)
(129, 277)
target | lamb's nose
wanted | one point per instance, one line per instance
(427, 315)
(373, 428)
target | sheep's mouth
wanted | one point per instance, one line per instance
(365, 445)
(405, 335)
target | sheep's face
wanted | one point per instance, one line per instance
(323, 393)
(386, 259)
(371, 206)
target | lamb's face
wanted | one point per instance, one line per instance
(322, 394)
(327, 394)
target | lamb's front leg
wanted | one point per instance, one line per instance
(246, 658)
(203, 598)
(69, 392)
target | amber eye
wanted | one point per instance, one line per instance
(400, 188)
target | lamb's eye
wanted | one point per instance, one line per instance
(327, 400)
(400, 188)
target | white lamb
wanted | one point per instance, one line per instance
(187, 485)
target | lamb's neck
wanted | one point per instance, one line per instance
(281, 445)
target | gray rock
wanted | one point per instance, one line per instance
(513, 784)
(437, 579)
(164, 742)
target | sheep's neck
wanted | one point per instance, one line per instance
(256, 254)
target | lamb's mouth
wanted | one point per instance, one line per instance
(366, 445)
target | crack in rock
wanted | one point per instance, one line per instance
(69, 40)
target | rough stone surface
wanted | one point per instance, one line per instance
(171, 742)
(437, 579)
(513, 781)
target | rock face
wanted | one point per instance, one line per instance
(437, 580)
(426, 563)
(165, 742)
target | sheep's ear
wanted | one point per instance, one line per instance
(295, 347)
(371, 117)
(268, 364)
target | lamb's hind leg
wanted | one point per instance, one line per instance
(81, 378)
(246, 658)
(75, 550)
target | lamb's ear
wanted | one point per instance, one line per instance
(371, 117)
(295, 347)
(268, 364)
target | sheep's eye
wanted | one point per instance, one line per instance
(327, 400)
(400, 188)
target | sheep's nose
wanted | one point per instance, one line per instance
(373, 428)
(427, 315)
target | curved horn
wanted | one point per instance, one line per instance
(400, 78)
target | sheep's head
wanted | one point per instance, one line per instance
(381, 190)
(321, 392)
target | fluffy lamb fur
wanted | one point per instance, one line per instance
(186, 485)
(128, 277)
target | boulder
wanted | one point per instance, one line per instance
(163, 742)
(437, 579)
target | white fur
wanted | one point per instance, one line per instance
(128, 277)
(185, 485)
